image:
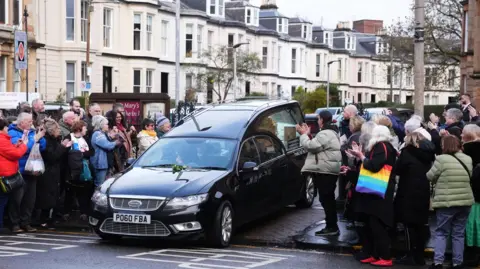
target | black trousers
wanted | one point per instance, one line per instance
(82, 194)
(22, 202)
(326, 185)
(375, 238)
(416, 236)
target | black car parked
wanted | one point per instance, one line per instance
(219, 168)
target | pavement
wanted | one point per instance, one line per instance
(68, 250)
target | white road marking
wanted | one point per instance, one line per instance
(202, 258)
(11, 246)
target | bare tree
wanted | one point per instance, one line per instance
(216, 72)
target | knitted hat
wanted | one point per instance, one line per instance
(161, 119)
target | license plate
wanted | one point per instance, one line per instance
(131, 218)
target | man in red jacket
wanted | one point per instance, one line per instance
(9, 156)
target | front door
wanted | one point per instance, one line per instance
(107, 79)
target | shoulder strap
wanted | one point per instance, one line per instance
(386, 152)
(464, 166)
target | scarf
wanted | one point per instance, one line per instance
(120, 127)
(151, 133)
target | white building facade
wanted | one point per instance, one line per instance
(133, 50)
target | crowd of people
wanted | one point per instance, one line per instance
(50, 168)
(398, 174)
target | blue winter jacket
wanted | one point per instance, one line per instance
(16, 133)
(101, 145)
(398, 127)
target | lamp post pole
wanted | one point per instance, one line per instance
(25, 16)
(235, 77)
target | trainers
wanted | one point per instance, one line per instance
(436, 266)
(29, 229)
(16, 229)
(382, 263)
(328, 231)
(368, 260)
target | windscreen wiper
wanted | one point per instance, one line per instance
(209, 168)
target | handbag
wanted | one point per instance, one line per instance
(374, 183)
(11, 183)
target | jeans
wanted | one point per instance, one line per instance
(454, 220)
(326, 185)
(100, 176)
(3, 203)
(22, 202)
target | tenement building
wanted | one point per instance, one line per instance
(133, 44)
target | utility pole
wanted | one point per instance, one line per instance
(419, 76)
(177, 52)
(328, 81)
(391, 70)
(25, 16)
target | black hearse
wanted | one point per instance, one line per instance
(220, 167)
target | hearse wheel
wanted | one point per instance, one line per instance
(221, 232)
(308, 194)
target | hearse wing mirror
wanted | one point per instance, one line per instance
(249, 167)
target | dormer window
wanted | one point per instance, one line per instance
(382, 47)
(307, 32)
(328, 38)
(216, 7)
(350, 42)
(282, 25)
(251, 16)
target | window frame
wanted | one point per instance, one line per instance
(339, 70)
(5, 13)
(238, 168)
(275, 144)
(359, 72)
(3, 74)
(138, 32)
(83, 20)
(265, 55)
(164, 34)
(70, 81)
(189, 54)
(199, 40)
(139, 85)
(17, 81)
(107, 28)
(318, 61)
(210, 40)
(149, 32)
(149, 73)
(72, 19)
(294, 61)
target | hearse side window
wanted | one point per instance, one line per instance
(282, 124)
(249, 153)
(267, 148)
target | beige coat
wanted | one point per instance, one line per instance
(144, 142)
(324, 156)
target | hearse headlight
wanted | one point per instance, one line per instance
(184, 202)
(100, 198)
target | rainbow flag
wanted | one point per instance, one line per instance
(374, 183)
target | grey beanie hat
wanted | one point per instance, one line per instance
(161, 119)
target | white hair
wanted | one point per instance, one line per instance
(67, 115)
(413, 124)
(23, 117)
(380, 133)
(36, 100)
(351, 108)
(98, 121)
(454, 114)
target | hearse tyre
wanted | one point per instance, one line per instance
(308, 194)
(220, 234)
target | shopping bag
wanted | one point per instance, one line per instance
(374, 183)
(35, 165)
(86, 175)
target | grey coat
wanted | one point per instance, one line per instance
(324, 156)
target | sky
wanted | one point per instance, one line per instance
(333, 11)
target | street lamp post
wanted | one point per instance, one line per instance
(235, 77)
(25, 16)
(328, 81)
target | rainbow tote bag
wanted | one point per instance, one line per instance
(374, 183)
